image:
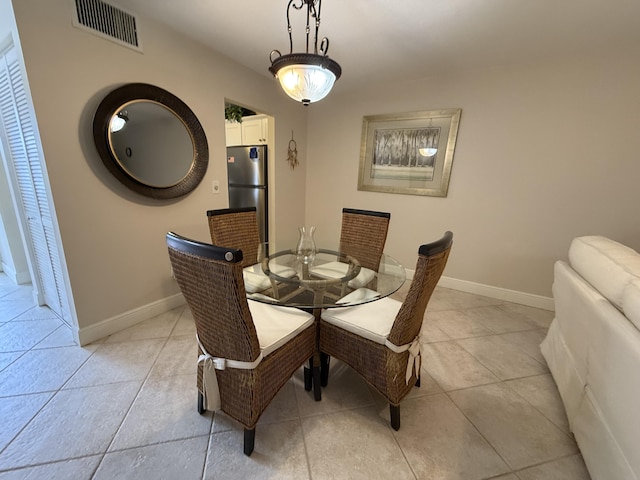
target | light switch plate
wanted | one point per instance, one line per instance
(215, 187)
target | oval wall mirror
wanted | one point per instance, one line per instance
(151, 141)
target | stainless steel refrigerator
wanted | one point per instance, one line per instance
(247, 177)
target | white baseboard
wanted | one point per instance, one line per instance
(107, 327)
(522, 298)
(112, 325)
(19, 278)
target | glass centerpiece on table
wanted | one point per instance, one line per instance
(306, 247)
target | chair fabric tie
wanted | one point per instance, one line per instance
(415, 359)
(210, 364)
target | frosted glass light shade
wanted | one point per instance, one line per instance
(306, 83)
(305, 77)
(428, 152)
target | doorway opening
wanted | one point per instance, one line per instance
(29, 189)
(251, 176)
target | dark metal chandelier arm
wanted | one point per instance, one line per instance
(316, 14)
(289, 21)
(297, 7)
(312, 12)
(324, 46)
(271, 59)
(307, 31)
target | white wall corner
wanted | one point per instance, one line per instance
(19, 278)
(128, 319)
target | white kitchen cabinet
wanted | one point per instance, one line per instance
(252, 131)
(233, 133)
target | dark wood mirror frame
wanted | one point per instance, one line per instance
(109, 107)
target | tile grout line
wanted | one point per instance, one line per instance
(569, 435)
(480, 433)
(144, 380)
(304, 443)
(404, 455)
(539, 464)
(27, 423)
(53, 462)
(207, 455)
(304, 437)
(55, 392)
(488, 368)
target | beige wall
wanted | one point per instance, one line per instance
(113, 239)
(545, 153)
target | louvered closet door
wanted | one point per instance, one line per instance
(23, 148)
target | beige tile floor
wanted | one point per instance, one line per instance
(125, 407)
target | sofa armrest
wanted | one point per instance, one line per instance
(606, 264)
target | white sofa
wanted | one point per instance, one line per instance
(593, 352)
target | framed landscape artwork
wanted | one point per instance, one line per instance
(408, 153)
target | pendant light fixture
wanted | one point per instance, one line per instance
(305, 77)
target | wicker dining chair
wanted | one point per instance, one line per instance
(381, 339)
(362, 236)
(247, 350)
(238, 228)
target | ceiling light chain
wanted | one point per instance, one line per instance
(306, 77)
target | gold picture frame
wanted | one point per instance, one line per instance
(408, 153)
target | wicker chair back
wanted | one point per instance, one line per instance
(236, 228)
(210, 278)
(363, 235)
(432, 258)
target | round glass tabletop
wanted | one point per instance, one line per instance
(331, 280)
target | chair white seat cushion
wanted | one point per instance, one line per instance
(256, 281)
(372, 321)
(361, 295)
(339, 270)
(276, 325)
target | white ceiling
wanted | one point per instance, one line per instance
(378, 40)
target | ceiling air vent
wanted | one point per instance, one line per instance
(107, 21)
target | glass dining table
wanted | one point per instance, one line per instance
(329, 280)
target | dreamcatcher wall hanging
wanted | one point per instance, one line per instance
(292, 153)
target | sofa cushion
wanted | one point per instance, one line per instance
(606, 264)
(631, 302)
